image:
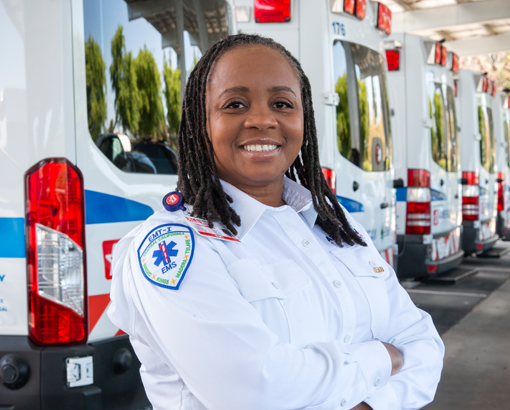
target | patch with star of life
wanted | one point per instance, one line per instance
(165, 254)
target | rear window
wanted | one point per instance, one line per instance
(453, 149)
(138, 55)
(487, 142)
(506, 132)
(362, 116)
(437, 112)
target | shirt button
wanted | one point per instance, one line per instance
(337, 283)
(343, 402)
(377, 382)
(306, 242)
(276, 285)
(347, 338)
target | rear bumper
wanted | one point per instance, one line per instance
(415, 257)
(470, 241)
(46, 388)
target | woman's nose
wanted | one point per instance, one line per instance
(261, 118)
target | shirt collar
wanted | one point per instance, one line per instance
(250, 210)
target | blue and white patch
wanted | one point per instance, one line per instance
(165, 254)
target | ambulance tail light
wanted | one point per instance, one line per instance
(418, 202)
(383, 18)
(55, 230)
(272, 11)
(393, 60)
(330, 177)
(470, 196)
(501, 191)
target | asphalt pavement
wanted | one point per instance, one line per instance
(473, 318)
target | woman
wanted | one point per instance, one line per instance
(294, 308)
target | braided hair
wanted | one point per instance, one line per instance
(198, 179)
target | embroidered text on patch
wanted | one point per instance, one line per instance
(165, 254)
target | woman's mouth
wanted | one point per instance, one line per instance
(259, 148)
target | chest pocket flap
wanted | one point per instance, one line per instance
(370, 271)
(280, 279)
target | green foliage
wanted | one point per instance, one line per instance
(172, 79)
(440, 128)
(124, 84)
(152, 119)
(96, 87)
(342, 118)
(364, 121)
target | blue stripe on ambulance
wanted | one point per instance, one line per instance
(12, 238)
(100, 208)
(434, 195)
(350, 205)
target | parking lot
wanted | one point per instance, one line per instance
(472, 317)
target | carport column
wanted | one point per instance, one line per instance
(179, 16)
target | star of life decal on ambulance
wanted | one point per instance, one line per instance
(165, 255)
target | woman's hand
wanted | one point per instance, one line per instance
(397, 360)
(362, 406)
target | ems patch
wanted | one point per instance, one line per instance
(165, 254)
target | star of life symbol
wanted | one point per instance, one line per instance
(165, 254)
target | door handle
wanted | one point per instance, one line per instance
(385, 205)
(355, 186)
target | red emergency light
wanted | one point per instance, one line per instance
(437, 55)
(272, 11)
(393, 60)
(493, 88)
(485, 85)
(349, 6)
(444, 56)
(455, 63)
(361, 9)
(383, 18)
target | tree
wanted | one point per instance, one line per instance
(172, 79)
(96, 87)
(152, 118)
(124, 85)
(496, 65)
(343, 130)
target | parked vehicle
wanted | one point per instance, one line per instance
(340, 46)
(478, 158)
(502, 129)
(69, 190)
(426, 155)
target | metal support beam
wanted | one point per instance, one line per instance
(141, 9)
(480, 45)
(438, 18)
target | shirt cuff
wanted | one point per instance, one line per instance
(384, 399)
(375, 363)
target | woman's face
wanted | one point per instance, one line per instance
(254, 116)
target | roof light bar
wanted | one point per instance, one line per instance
(271, 11)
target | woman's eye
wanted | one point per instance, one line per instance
(235, 105)
(282, 104)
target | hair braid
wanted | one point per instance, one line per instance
(198, 177)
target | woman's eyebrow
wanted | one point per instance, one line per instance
(281, 88)
(237, 89)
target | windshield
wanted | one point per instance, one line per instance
(362, 116)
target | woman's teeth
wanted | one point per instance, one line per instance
(260, 148)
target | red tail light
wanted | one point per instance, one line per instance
(393, 60)
(470, 196)
(361, 9)
(418, 202)
(455, 63)
(272, 11)
(330, 177)
(444, 56)
(383, 18)
(501, 191)
(56, 253)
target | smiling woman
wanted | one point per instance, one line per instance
(251, 290)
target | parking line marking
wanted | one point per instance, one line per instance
(494, 269)
(438, 292)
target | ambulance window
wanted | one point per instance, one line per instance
(437, 114)
(453, 157)
(375, 138)
(506, 131)
(487, 145)
(138, 55)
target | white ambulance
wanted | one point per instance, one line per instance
(502, 129)
(478, 158)
(70, 72)
(340, 46)
(426, 155)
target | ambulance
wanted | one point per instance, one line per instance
(502, 129)
(476, 95)
(339, 44)
(427, 157)
(83, 160)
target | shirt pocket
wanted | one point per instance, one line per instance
(370, 271)
(283, 295)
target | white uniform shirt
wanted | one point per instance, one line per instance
(285, 319)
